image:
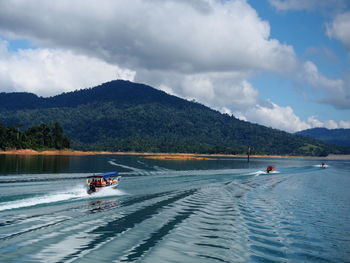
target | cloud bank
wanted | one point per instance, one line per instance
(205, 50)
(284, 118)
(48, 72)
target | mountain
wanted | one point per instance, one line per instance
(126, 116)
(335, 136)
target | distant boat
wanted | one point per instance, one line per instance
(270, 169)
(95, 183)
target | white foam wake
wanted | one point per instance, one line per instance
(321, 166)
(76, 193)
(125, 166)
(257, 173)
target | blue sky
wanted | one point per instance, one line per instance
(280, 63)
(305, 30)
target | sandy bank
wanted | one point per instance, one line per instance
(177, 157)
(164, 156)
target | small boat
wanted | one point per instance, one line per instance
(270, 169)
(97, 182)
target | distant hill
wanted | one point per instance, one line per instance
(335, 136)
(126, 116)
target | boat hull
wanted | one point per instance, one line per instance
(92, 188)
(97, 189)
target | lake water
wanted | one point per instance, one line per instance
(223, 210)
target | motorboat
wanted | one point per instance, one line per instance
(95, 183)
(270, 169)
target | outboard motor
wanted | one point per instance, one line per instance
(92, 188)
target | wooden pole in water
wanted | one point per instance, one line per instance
(248, 153)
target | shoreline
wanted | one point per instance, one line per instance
(166, 156)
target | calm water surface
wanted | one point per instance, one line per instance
(222, 210)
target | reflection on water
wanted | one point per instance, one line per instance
(206, 211)
(33, 164)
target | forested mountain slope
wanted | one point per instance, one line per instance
(125, 116)
(335, 136)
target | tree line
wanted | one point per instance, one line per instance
(39, 137)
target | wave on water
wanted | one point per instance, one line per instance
(76, 193)
(111, 162)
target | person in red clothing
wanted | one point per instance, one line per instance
(270, 169)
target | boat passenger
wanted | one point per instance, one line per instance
(98, 183)
(104, 183)
(92, 187)
(270, 169)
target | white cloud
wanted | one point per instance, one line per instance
(182, 36)
(230, 91)
(344, 124)
(217, 90)
(331, 124)
(314, 122)
(51, 71)
(205, 49)
(335, 92)
(339, 29)
(199, 87)
(272, 115)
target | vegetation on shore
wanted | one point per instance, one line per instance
(43, 136)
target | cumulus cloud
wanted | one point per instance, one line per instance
(205, 50)
(313, 122)
(339, 29)
(51, 71)
(272, 115)
(218, 90)
(190, 37)
(235, 92)
(335, 92)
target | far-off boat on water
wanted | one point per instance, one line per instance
(97, 182)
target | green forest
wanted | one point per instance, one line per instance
(334, 136)
(43, 136)
(126, 116)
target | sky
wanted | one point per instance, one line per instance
(284, 64)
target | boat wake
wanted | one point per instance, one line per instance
(321, 166)
(111, 162)
(257, 173)
(77, 193)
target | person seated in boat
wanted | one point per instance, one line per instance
(270, 169)
(323, 164)
(108, 181)
(92, 186)
(98, 183)
(104, 183)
